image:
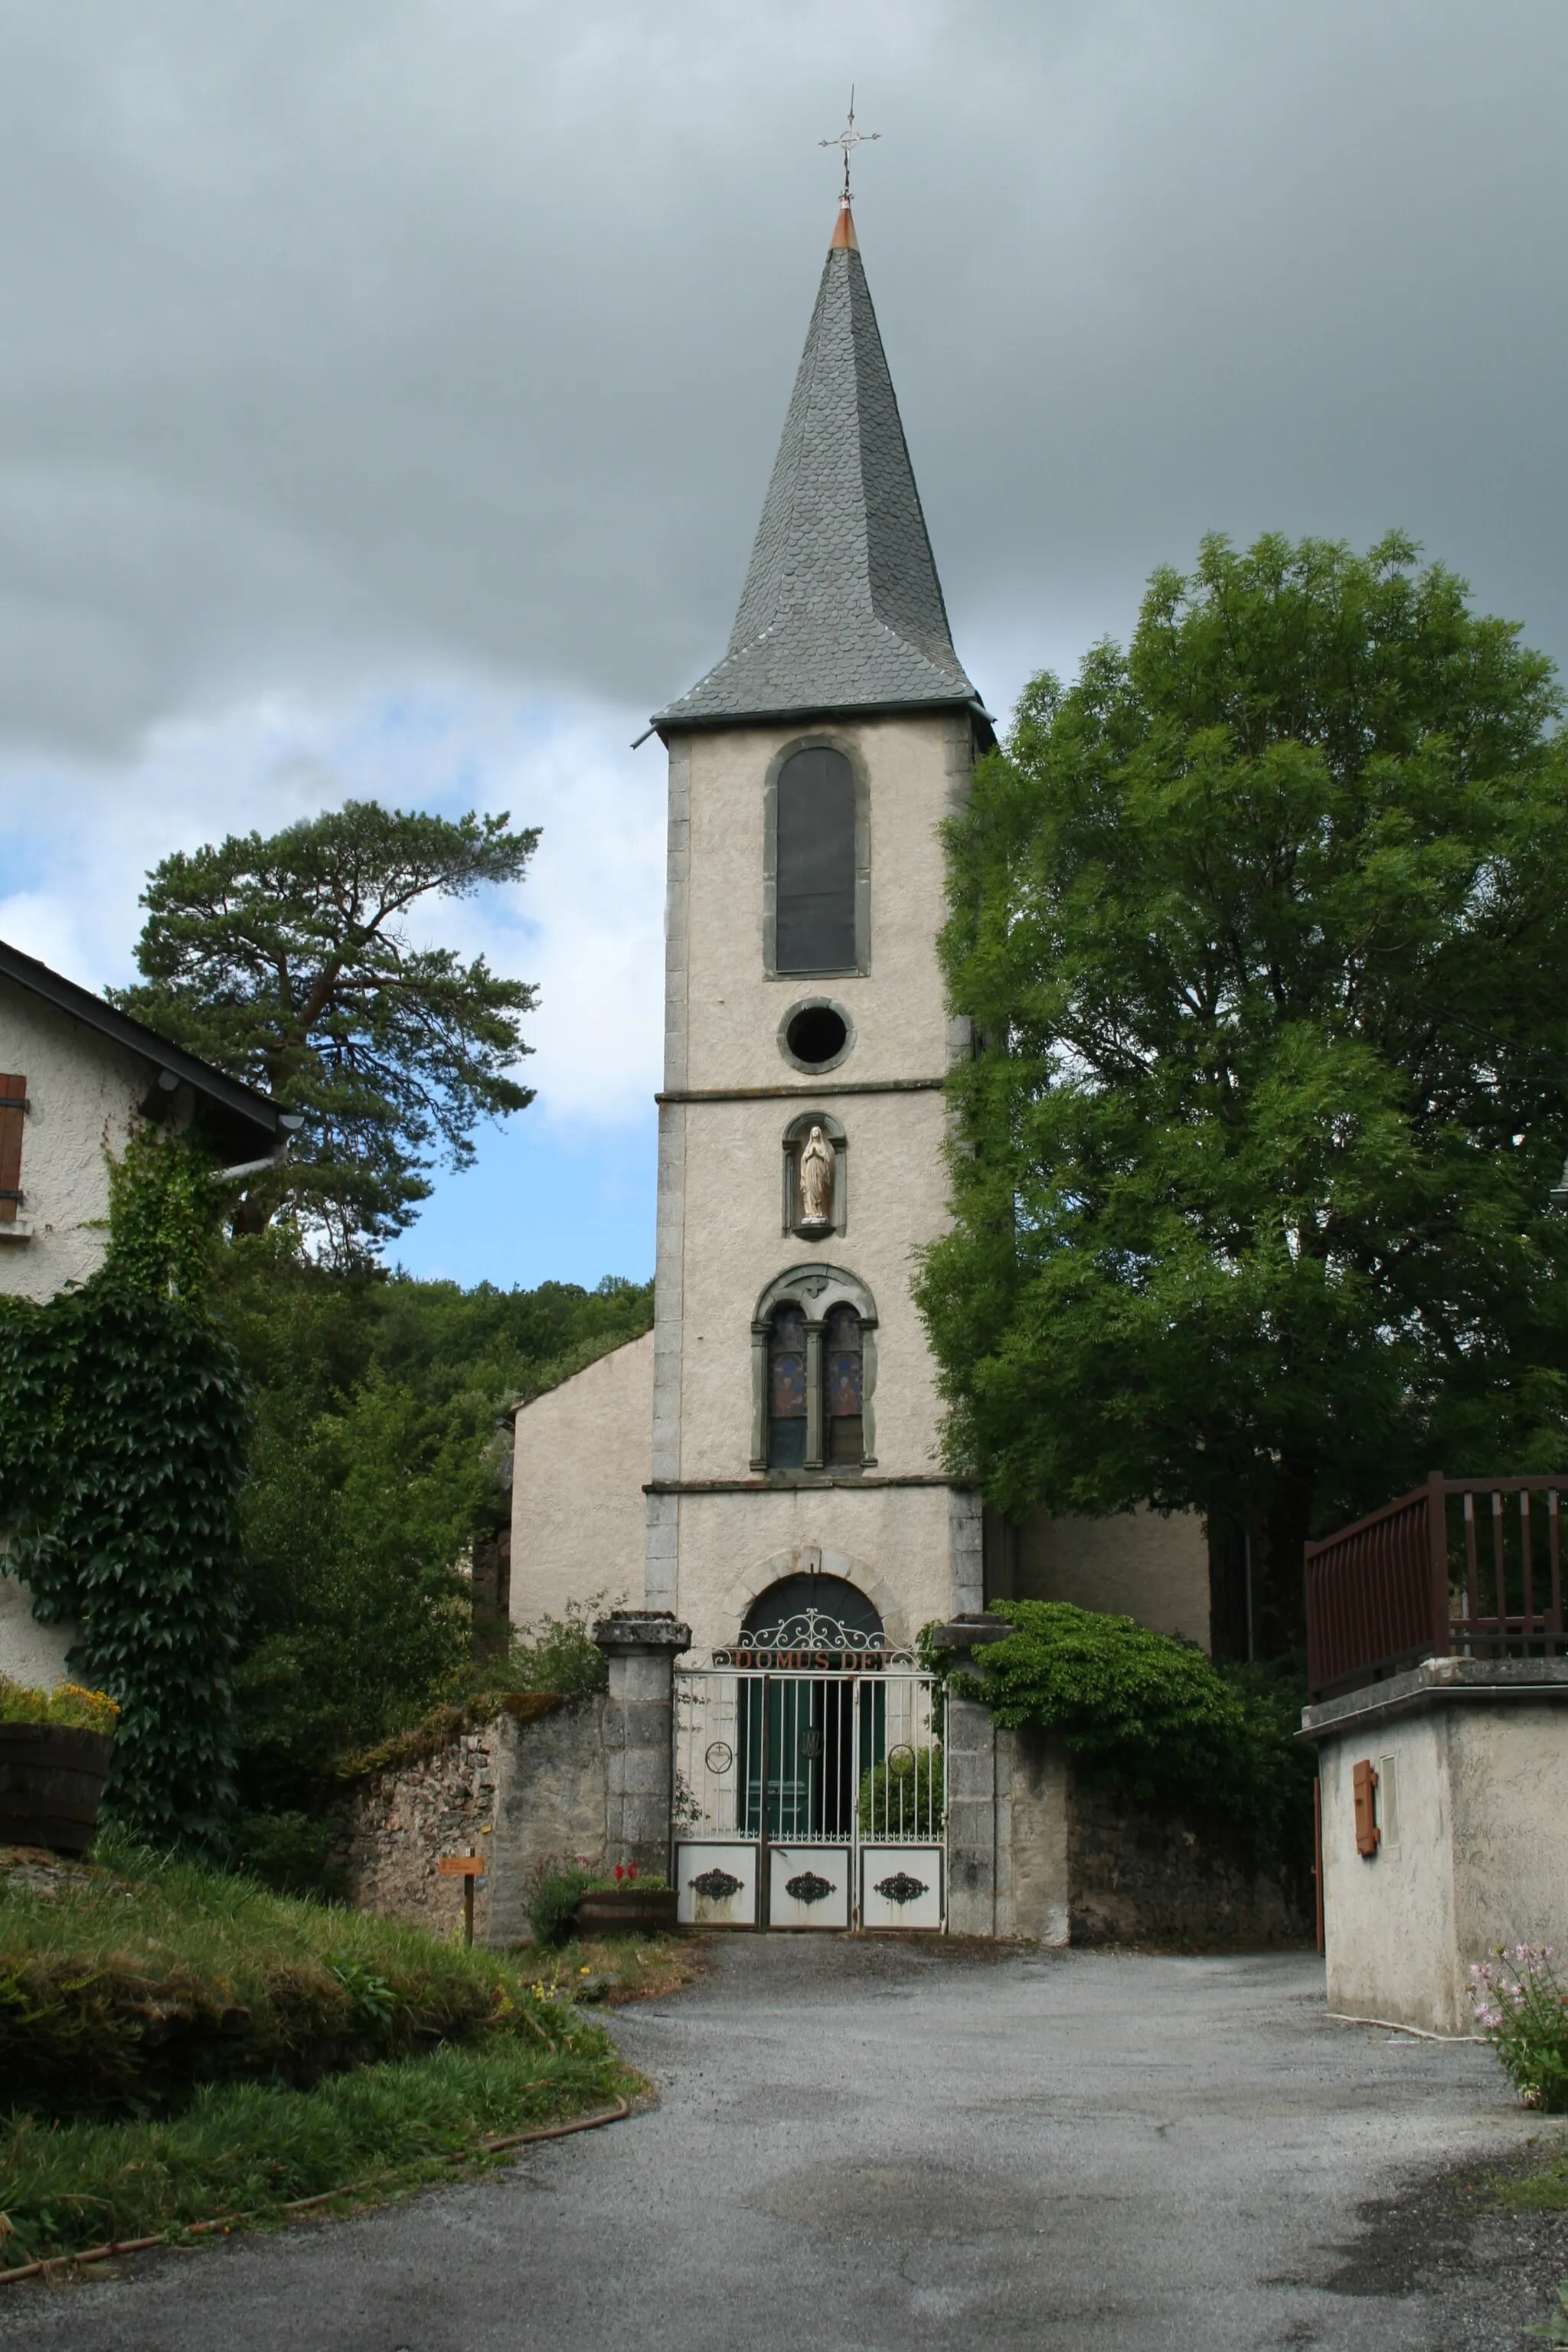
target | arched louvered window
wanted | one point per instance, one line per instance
(815, 869)
(842, 1363)
(786, 1388)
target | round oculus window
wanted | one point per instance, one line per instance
(817, 1035)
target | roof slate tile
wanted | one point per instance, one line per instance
(842, 607)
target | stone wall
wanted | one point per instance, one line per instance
(517, 1792)
(1138, 1876)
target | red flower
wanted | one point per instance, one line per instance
(619, 1871)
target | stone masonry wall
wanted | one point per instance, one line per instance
(514, 1791)
(1138, 1876)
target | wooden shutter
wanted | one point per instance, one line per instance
(1363, 1782)
(13, 1108)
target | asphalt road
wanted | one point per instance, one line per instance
(887, 2148)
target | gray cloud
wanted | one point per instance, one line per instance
(401, 336)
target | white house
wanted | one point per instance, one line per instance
(76, 1077)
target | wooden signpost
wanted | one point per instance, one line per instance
(468, 1868)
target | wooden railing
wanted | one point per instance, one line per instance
(1464, 1567)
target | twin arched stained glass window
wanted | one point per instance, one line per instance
(816, 1389)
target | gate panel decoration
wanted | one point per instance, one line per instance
(810, 1783)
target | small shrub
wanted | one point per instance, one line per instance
(68, 1705)
(290, 1851)
(1522, 2006)
(902, 1797)
(1154, 1717)
(554, 1653)
(556, 1884)
(1556, 2329)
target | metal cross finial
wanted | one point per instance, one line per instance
(849, 138)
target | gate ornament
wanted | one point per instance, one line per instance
(716, 1885)
(809, 1888)
(720, 1755)
(900, 1888)
(810, 1641)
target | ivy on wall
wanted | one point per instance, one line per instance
(123, 1426)
(1152, 1717)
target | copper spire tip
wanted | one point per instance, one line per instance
(843, 237)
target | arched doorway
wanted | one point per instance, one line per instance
(805, 1720)
(810, 1786)
(826, 1616)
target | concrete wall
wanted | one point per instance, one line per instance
(82, 1090)
(580, 1462)
(1472, 1760)
(1138, 1564)
(1035, 1793)
(893, 1542)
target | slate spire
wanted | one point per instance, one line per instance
(842, 609)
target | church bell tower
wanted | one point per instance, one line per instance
(795, 1418)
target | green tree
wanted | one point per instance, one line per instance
(1264, 925)
(284, 962)
(373, 1462)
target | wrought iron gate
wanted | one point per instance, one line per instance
(810, 1787)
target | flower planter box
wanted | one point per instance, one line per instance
(628, 1910)
(50, 1783)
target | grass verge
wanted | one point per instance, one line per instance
(125, 1988)
(252, 2148)
(616, 1970)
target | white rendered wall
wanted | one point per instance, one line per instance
(83, 1091)
(30, 1653)
(892, 1542)
(579, 1464)
(721, 1237)
(1474, 1850)
(1137, 1564)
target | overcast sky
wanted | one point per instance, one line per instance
(388, 389)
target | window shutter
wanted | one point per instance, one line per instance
(13, 1110)
(1363, 1783)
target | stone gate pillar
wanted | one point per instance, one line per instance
(978, 1792)
(641, 1645)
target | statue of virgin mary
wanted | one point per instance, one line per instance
(816, 1167)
